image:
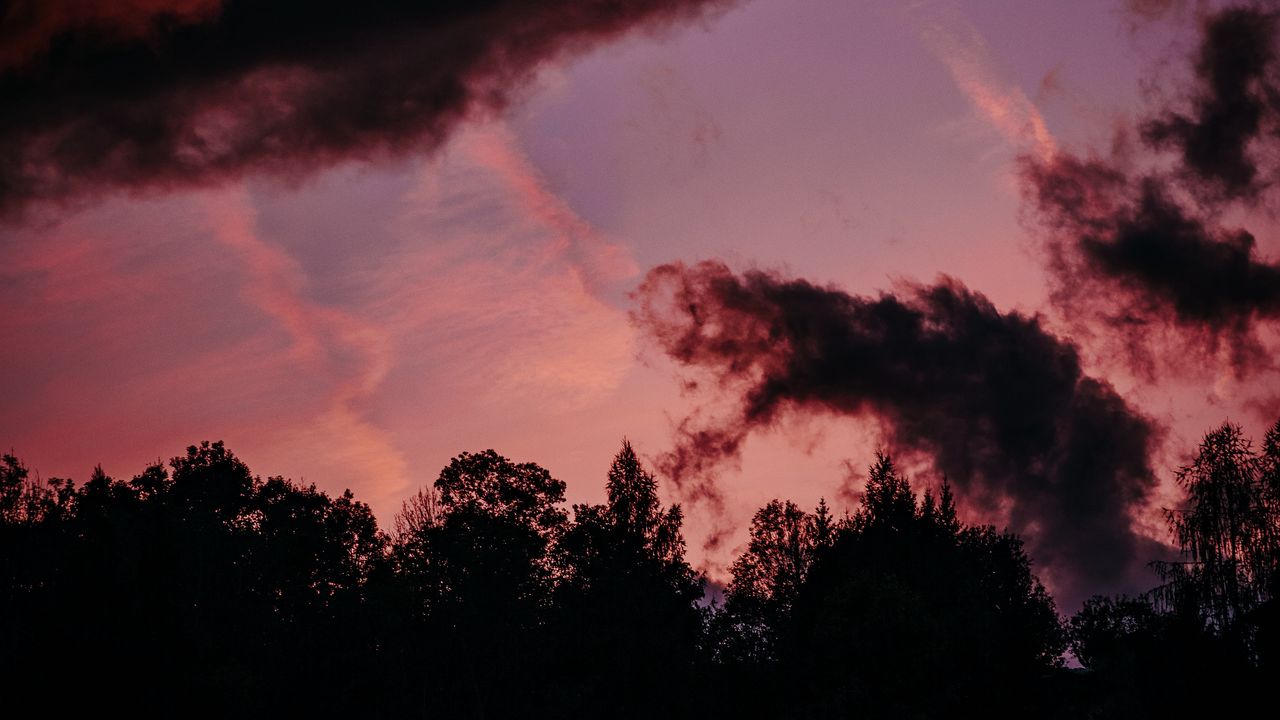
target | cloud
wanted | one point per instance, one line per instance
(1148, 10)
(128, 343)
(1234, 103)
(30, 27)
(474, 310)
(1126, 251)
(959, 45)
(498, 286)
(1001, 406)
(599, 263)
(1136, 238)
(143, 95)
(355, 355)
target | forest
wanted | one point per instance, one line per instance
(202, 589)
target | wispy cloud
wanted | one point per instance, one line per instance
(353, 353)
(961, 48)
(599, 263)
(497, 278)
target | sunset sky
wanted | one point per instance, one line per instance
(358, 320)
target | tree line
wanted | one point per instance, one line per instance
(200, 588)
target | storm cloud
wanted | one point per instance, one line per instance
(1000, 405)
(98, 96)
(1137, 242)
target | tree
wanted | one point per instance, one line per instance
(30, 561)
(1200, 643)
(1228, 531)
(910, 613)
(784, 541)
(418, 514)
(485, 484)
(824, 525)
(211, 484)
(1109, 633)
(1144, 662)
(206, 583)
(24, 501)
(887, 501)
(473, 574)
(633, 496)
(627, 628)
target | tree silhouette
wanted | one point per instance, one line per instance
(1228, 532)
(473, 572)
(1201, 643)
(767, 577)
(205, 583)
(907, 597)
(200, 588)
(627, 628)
(1114, 632)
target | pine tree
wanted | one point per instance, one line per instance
(888, 500)
(824, 527)
(633, 496)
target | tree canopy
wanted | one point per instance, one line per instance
(197, 586)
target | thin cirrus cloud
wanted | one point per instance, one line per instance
(191, 317)
(601, 265)
(514, 260)
(352, 353)
(489, 299)
(959, 45)
(126, 322)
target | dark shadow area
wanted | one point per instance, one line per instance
(201, 590)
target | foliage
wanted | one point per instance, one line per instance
(1228, 531)
(198, 582)
(766, 578)
(908, 595)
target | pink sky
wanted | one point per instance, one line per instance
(360, 327)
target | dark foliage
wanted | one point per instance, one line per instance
(910, 613)
(626, 630)
(1202, 643)
(197, 582)
(199, 589)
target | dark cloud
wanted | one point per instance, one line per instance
(98, 95)
(1000, 405)
(1137, 246)
(1233, 104)
(30, 27)
(1125, 248)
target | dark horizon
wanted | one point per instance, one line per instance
(487, 597)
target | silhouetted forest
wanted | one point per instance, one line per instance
(200, 589)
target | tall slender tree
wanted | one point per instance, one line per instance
(1228, 531)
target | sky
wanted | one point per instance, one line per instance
(351, 297)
